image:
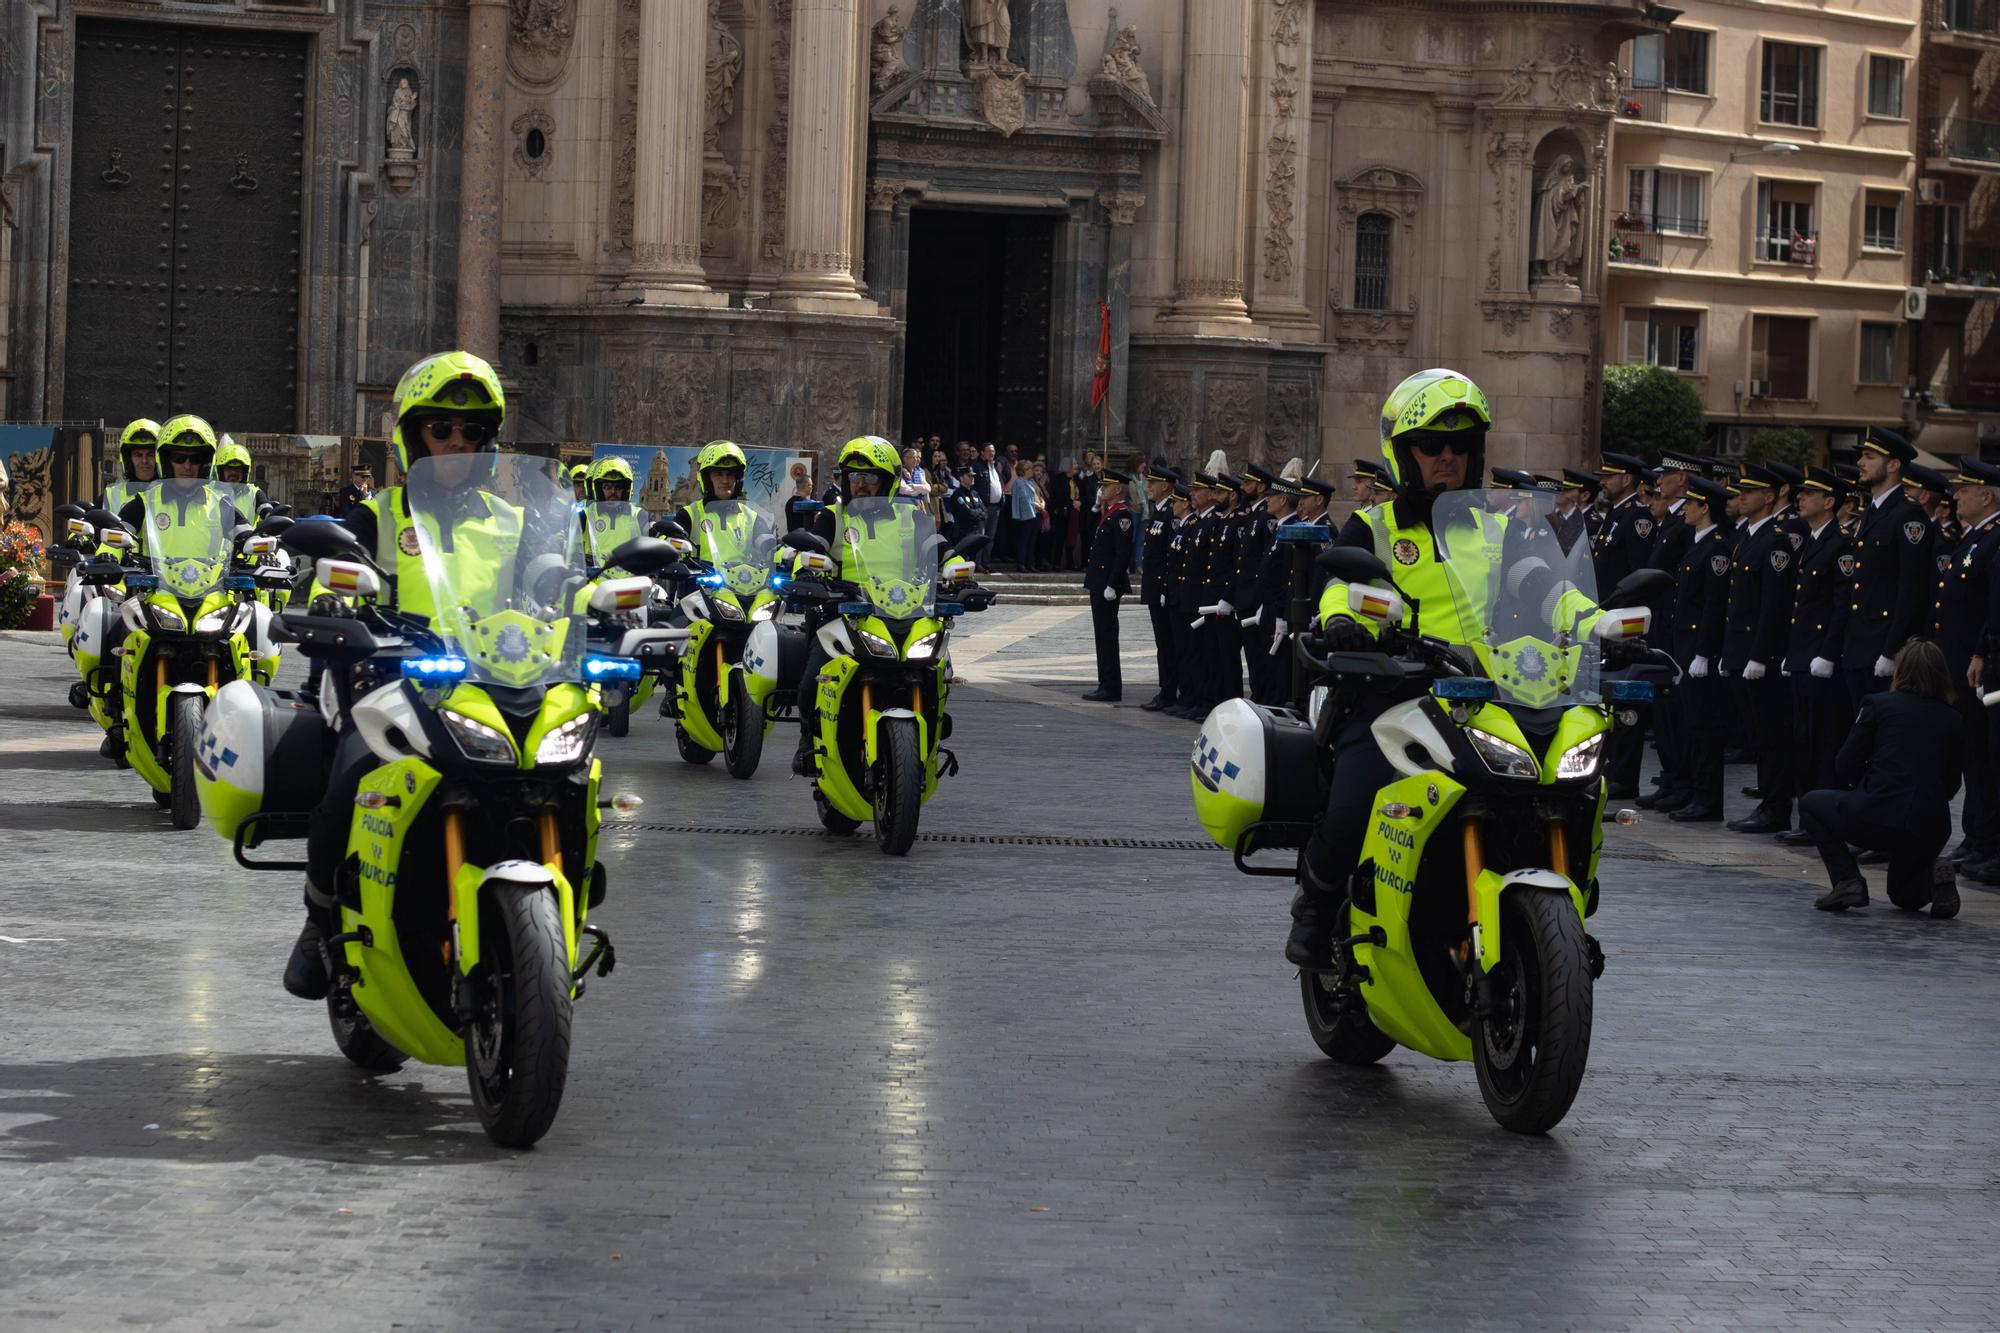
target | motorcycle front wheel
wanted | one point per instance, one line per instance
(899, 786)
(618, 717)
(1530, 1051)
(517, 1045)
(184, 731)
(742, 733)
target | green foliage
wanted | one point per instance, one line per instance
(1647, 409)
(21, 553)
(1782, 444)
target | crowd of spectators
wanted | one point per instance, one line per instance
(1040, 516)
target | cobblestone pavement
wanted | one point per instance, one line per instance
(1006, 1083)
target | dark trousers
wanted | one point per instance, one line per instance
(1669, 741)
(1701, 709)
(1766, 705)
(1257, 658)
(1226, 656)
(1837, 818)
(1104, 629)
(1189, 652)
(1166, 650)
(1360, 771)
(327, 827)
(1820, 718)
(1622, 753)
(1981, 813)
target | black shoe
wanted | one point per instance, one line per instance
(1665, 798)
(1983, 870)
(1622, 794)
(1944, 892)
(305, 973)
(1696, 814)
(1754, 793)
(1798, 837)
(1100, 695)
(111, 747)
(802, 757)
(1310, 943)
(1848, 893)
(1968, 851)
(1679, 800)
(1763, 821)
(1156, 704)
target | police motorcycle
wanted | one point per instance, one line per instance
(191, 624)
(607, 520)
(1462, 934)
(471, 860)
(730, 594)
(878, 704)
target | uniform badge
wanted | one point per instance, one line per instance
(162, 522)
(1718, 565)
(1944, 563)
(1797, 539)
(1913, 531)
(1125, 523)
(1779, 559)
(1848, 564)
(1644, 527)
(1531, 664)
(408, 543)
(1405, 551)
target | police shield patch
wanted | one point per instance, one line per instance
(1644, 527)
(1718, 565)
(1797, 539)
(1779, 559)
(406, 542)
(1405, 551)
(1847, 566)
(1944, 564)
(1913, 531)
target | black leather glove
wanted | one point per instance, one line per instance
(1343, 635)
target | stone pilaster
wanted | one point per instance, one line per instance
(1283, 105)
(1208, 258)
(480, 178)
(667, 178)
(821, 174)
(1121, 210)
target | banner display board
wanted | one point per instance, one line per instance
(664, 480)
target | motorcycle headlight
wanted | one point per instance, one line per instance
(923, 649)
(567, 743)
(765, 612)
(875, 644)
(1503, 757)
(215, 621)
(1581, 761)
(725, 609)
(477, 741)
(165, 617)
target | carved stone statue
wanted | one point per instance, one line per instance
(885, 52)
(402, 120)
(1607, 87)
(725, 62)
(989, 29)
(1121, 62)
(1559, 202)
(1520, 87)
(545, 24)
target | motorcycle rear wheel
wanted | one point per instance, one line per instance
(184, 731)
(517, 1045)
(899, 785)
(742, 733)
(831, 819)
(357, 1038)
(694, 754)
(1531, 1051)
(1342, 1034)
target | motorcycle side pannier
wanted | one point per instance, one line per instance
(1251, 765)
(261, 751)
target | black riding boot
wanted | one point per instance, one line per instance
(305, 970)
(1314, 909)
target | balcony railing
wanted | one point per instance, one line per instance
(1793, 249)
(1967, 266)
(1980, 18)
(1638, 238)
(1636, 103)
(1976, 140)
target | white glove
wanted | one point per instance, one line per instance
(1253, 617)
(1163, 600)
(1698, 668)
(1223, 608)
(1111, 594)
(1753, 671)
(1280, 628)
(1722, 670)
(1822, 668)
(1884, 668)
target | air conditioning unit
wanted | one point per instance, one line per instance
(1916, 301)
(1930, 190)
(1734, 442)
(1760, 388)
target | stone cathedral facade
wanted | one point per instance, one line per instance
(791, 221)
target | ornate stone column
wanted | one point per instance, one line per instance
(480, 176)
(1208, 258)
(667, 177)
(821, 175)
(1121, 210)
(1284, 106)
(882, 197)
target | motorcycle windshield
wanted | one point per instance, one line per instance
(496, 535)
(609, 524)
(738, 539)
(190, 532)
(1520, 603)
(889, 550)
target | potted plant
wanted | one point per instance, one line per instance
(21, 553)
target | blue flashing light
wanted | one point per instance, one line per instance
(1464, 689)
(1628, 691)
(779, 582)
(951, 608)
(599, 669)
(712, 579)
(142, 582)
(240, 583)
(855, 609)
(435, 670)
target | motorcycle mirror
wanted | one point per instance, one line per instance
(324, 541)
(668, 527)
(801, 539)
(642, 555)
(1642, 587)
(971, 546)
(1351, 564)
(98, 573)
(66, 511)
(274, 525)
(102, 518)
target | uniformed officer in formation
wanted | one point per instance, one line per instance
(1623, 544)
(1255, 527)
(1181, 605)
(1893, 567)
(1696, 621)
(1962, 622)
(1571, 516)
(1107, 578)
(1754, 634)
(1156, 575)
(1820, 709)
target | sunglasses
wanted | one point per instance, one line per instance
(1431, 446)
(440, 429)
(181, 455)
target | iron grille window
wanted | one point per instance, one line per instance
(1885, 86)
(1371, 261)
(1791, 84)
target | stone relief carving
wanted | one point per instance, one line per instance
(688, 379)
(999, 96)
(721, 206)
(1227, 423)
(1607, 87)
(533, 164)
(777, 134)
(402, 134)
(1573, 81)
(1121, 61)
(1285, 419)
(885, 51)
(1281, 177)
(1559, 322)
(1391, 38)
(1122, 207)
(725, 63)
(541, 31)
(1520, 87)
(836, 399)
(1508, 314)
(1557, 243)
(1496, 156)
(989, 30)
(882, 194)
(625, 128)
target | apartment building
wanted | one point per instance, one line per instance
(1760, 237)
(1956, 262)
